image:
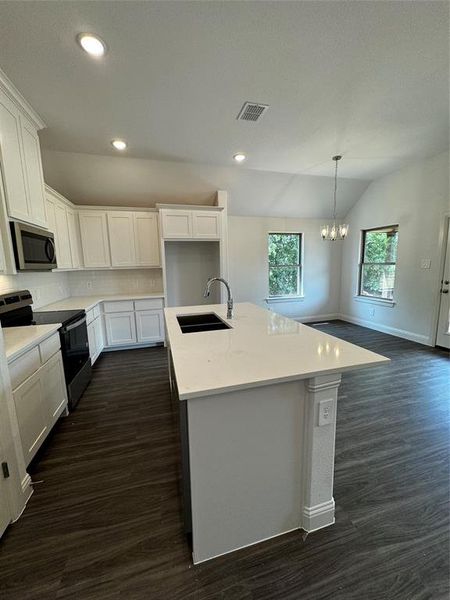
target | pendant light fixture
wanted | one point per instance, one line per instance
(334, 232)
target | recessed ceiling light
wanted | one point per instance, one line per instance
(92, 44)
(119, 144)
(239, 157)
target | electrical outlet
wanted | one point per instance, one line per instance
(326, 412)
(425, 263)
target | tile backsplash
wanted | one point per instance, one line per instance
(44, 287)
(51, 287)
(119, 281)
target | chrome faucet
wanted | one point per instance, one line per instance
(230, 296)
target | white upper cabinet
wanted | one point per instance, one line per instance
(176, 224)
(74, 238)
(12, 161)
(146, 239)
(206, 224)
(94, 238)
(63, 254)
(20, 157)
(34, 176)
(121, 238)
(191, 224)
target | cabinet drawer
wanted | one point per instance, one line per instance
(148, 303)
(24, 366)
(49, 347)
(118, 306)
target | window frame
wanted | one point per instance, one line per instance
(369, 297)
(299, 267)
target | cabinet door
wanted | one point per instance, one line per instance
(121, 238)
(146, 239)
(91, 331)
(63, 255)
(206, 225)
(176, 224)
(94, 239)
(74, 238)
(2, 255)
(12, 163)
(150, 326)
(34, 176)
(55, 397)
(31, 417)
(99, 343)
(120, 328)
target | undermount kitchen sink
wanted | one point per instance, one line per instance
(201, 322)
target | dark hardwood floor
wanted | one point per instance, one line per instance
(104, 522)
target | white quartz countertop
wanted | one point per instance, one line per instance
(20, 339)
(88, 302)
(262, 347)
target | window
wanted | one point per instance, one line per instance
(378, 260)
(285, 264)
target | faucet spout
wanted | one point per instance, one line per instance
(230, 302)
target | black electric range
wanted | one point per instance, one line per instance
(16, 311)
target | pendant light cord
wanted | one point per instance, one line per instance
(335, 191)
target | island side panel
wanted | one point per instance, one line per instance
(319, 450)
(245, 451)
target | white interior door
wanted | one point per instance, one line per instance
(443, 332)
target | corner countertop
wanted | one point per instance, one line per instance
(88, 302)
(262, 347)
(20, 339)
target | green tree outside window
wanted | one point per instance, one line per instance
(378, 262)
(285, 259)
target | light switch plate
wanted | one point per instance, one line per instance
(326, 412)
(425, 263)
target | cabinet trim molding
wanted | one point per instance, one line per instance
(10, 90)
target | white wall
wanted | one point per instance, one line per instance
(189, 265)
(415, 198)
(248, 266)
(44, 287)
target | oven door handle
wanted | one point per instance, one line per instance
(73, 325)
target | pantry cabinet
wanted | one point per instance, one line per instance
(21, 164)
(94, 238)
(180, 224)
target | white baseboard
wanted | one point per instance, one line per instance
(318, 516)
(402, 333)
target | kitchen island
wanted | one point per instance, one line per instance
(257, 402)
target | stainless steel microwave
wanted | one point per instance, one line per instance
(34, 248)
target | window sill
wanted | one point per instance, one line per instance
(276, 299)
(379, 301)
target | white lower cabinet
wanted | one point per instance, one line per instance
(31, 414)
(120, 328)
(41, 396)
(149, 325)
(55, 396)
(95, 337)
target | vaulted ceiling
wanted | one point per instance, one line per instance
(367, 79)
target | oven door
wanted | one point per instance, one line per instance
(74, 347)
(34, 248)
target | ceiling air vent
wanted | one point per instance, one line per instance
(252, 111)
